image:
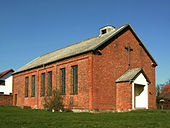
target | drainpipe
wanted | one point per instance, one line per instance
(38, 89)
(45, 81)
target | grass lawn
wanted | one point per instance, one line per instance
(13, 117)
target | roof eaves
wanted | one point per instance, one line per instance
(26, 69)
(122, 81)
(5, 72)
(41, 65)
(134, 77)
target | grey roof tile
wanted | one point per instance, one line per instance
(129, 75)
(77, 48)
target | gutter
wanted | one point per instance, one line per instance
(41, 65)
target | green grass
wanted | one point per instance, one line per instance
(13, 117)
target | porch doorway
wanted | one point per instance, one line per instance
(140, 97)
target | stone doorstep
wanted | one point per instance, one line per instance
(140, 108)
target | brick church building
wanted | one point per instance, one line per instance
(112, 71)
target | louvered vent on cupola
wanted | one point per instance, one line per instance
(106, 29)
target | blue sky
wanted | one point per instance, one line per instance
(30, 28)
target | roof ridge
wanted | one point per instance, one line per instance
(70, 45)
(83, 41)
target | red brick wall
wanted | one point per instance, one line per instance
(83, 100)
(123, 95)
(5, 100)
(113, 63)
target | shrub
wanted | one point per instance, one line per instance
(54, 102)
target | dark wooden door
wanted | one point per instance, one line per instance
(15, 99)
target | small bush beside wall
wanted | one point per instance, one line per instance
(54, 102)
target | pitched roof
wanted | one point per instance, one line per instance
(165, 95)
(77, 48)
(5, 72)
(165, 90)
(130, 75)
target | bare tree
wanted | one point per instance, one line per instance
(158, 90)
(159, 87)
(167, 82)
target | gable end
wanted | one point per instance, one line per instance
(118, 33)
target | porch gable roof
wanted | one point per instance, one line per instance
(131, 75)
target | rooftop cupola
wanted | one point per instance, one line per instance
(106, 29)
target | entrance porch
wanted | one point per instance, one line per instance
(132, 90)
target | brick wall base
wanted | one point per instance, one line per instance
(6, 100)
